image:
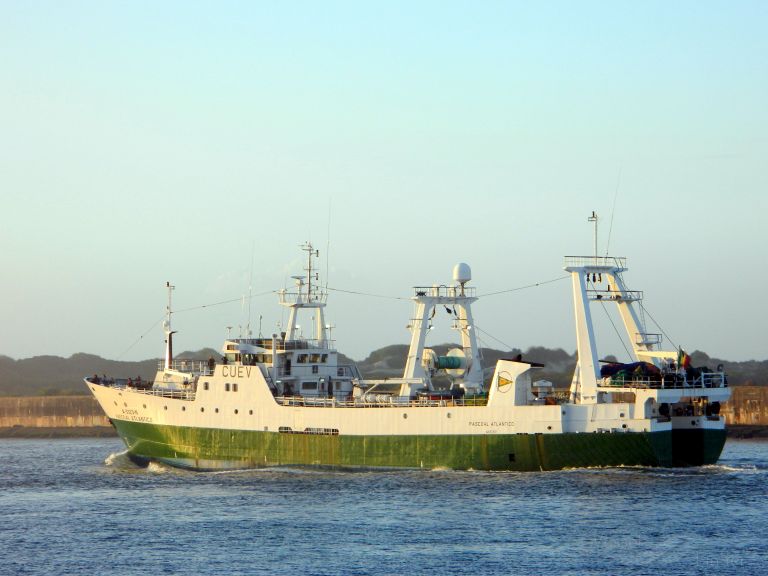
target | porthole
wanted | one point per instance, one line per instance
(235, 410)
(549, 427)
(145, 406)
(693, 422)
(405, 415)
(183, 408)
(217, 410)
(448, 415)
(250, 412)
(202, 409)
(165, 407)
(623, 425)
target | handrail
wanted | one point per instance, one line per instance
(615, 295)
(669, 381)
(282, 345)
(120, 384)
(391, 402)
(194, 367)
(444, 291)
(619, 263)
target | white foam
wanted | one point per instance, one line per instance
(119, 460)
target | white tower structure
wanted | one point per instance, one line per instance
(308, 295)
(464, 364)
(598, 279)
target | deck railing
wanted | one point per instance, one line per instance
(391, 402)
(617, 262)
(668, 381)
(198, 367)
(145, 387)
(444, 291)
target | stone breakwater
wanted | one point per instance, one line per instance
(47, 416)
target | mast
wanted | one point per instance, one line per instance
(312, 297)
(599, 279)
(167, 329)
(460, 298)
(594, 219)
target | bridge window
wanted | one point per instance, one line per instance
(302, 359)
(309, 385)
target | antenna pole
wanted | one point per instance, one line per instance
(613, 211)
(594, 219)
(328, 247)
(168, 331)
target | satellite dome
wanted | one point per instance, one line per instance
(462, 273)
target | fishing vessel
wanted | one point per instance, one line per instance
(287, 400)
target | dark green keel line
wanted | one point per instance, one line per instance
(205, 448)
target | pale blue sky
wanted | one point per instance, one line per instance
(145, 142)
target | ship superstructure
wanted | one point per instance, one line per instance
(287, 400)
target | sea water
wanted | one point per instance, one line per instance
(81, 507)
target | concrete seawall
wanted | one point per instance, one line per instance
(51, 412)
(748, 407)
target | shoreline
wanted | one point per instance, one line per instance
(734, 432)
(57, 432)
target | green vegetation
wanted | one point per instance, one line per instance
(56, 376)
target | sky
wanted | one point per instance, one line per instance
(200, 143)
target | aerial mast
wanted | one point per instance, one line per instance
(594, 219)
(167, 328)
(312, 298)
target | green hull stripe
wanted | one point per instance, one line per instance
(205, 448)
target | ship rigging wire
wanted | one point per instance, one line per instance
(354, 292)
(508, 347)
(616, 330)
(524, 287)
(507, 291)
(645, 310)
(140, 338)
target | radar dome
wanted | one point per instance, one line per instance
(462, 273)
